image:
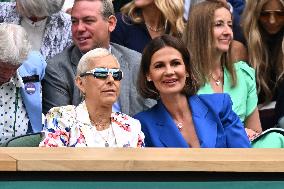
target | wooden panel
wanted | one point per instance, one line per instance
(7, 163)
(148, 159)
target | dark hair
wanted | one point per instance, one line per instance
(147, 88)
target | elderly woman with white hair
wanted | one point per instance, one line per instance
(21, 71)
(48, 28)
(92, 123)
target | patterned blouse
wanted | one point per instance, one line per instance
(70, 126)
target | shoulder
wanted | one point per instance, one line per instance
(244, 69)
(124, 50)
(62, 58)
(126, 56)
(147, 115)
(61, 112)
(34, 64)
(213, 100)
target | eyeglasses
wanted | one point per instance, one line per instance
(103, 73)
(278, 14)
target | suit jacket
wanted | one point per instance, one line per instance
(59, 88)
(32, 71)
(57, 35)
(216, 125)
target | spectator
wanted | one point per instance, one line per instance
(217, 73)
(181, 118)
(92, 22)
(140, 21)
(48, 28)
(92, 123)
(238, 51)
(20, 74)
(263, 25)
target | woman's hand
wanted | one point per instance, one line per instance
(251, 134)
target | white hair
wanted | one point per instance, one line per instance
(39, 8)
(14, 44)
(88, 58)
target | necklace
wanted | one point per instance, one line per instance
(179, 126)
(154, 29)
(105, 138)
(99, 125)
(216, 80)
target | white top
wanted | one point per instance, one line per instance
(35, 32)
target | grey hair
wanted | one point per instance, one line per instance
(89, 57)
(14, 44)
(39, 8)
(107, 8)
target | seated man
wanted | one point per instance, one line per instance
(92, 22)
(20, 75)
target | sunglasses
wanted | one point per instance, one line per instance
(103, 73)
(278, 14)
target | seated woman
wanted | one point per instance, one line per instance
(181, 118)
(21, 71)
(92, 123)
(48, 28)
(218, 73)
(263, 25)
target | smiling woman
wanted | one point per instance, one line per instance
(92, 123)
(181, 118)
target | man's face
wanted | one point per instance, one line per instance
(89, 29)
(7, 71)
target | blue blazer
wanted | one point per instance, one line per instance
(32, 71)
(216, 125)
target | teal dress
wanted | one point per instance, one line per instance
(244, 98)
(243, 95)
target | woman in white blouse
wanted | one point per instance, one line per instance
(92, 123)
(48, 28)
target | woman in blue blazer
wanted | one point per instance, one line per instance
(181, 118)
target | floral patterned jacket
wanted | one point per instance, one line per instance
(70, 126)
(57, 35)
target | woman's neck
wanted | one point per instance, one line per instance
(99, 115)
(177, 106)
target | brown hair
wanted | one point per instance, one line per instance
(147, 88)
(198, 37)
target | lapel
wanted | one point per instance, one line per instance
(83, 123)
(205, 126)
(123, 98)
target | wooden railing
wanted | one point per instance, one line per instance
(147, 159)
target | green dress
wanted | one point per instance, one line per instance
(244, 98)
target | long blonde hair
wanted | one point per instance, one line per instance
(172, 14)
(259, 57)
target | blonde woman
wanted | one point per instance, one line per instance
(140, 21)
(263, 25)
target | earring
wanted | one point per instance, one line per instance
(148, 79)
(186, 75)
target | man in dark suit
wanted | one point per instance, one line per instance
(92, 23)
